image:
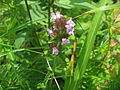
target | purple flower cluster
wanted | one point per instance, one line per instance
(55, 50)
(62, 28)
(49, 31)
(56, 15)
(65, 41)
(69, 26)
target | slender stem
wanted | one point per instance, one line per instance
(28, 10)
(49, 13)
(34, 33)
(73, 58)
(53, 5)
(53, 74)
(92, 11)
(80, 24)
(49, 16)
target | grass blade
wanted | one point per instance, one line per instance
(85, 54)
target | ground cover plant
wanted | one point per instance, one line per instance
(59, 45)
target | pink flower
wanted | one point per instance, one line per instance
(53, 16)
(49, 31)
(68, 26)
(70, 31)
(55, 50)
(65, 41)
(56, 15)
(55, 29)
(70, 22)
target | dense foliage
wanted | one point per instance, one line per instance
(59, 45)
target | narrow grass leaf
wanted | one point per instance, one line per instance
(85, 54)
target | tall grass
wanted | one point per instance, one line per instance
(83, 59)
(26, 59)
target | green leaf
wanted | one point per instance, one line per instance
(20, 39)
(1, 87)
(69, 4)
(17, 28)
(36, 12)
(4, 7)
(86, 51)
(109, 7)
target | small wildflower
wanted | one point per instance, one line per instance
(70, 22)
(49, 31)
(62, 29)
(65, 41)
(70, 31)
(56, 15)
(68, 26)
(55, 50)
(53, 16)
(55, 29)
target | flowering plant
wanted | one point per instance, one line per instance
(62, 29)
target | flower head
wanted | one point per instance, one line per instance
(65, 41)
(62, 28)
(55, 50)
(70, 31)
(49, 31)
(55, 29)
(70, 22)
(53, 16)
(56, 15)
(68, 26)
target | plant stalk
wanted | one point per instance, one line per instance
(34, 32)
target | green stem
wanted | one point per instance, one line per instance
(28, 10)
(53, 5)
(86, 50)
(49, 14)
(34, 32)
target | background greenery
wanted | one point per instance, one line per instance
(26, 62)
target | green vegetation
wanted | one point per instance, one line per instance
(59, 45)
